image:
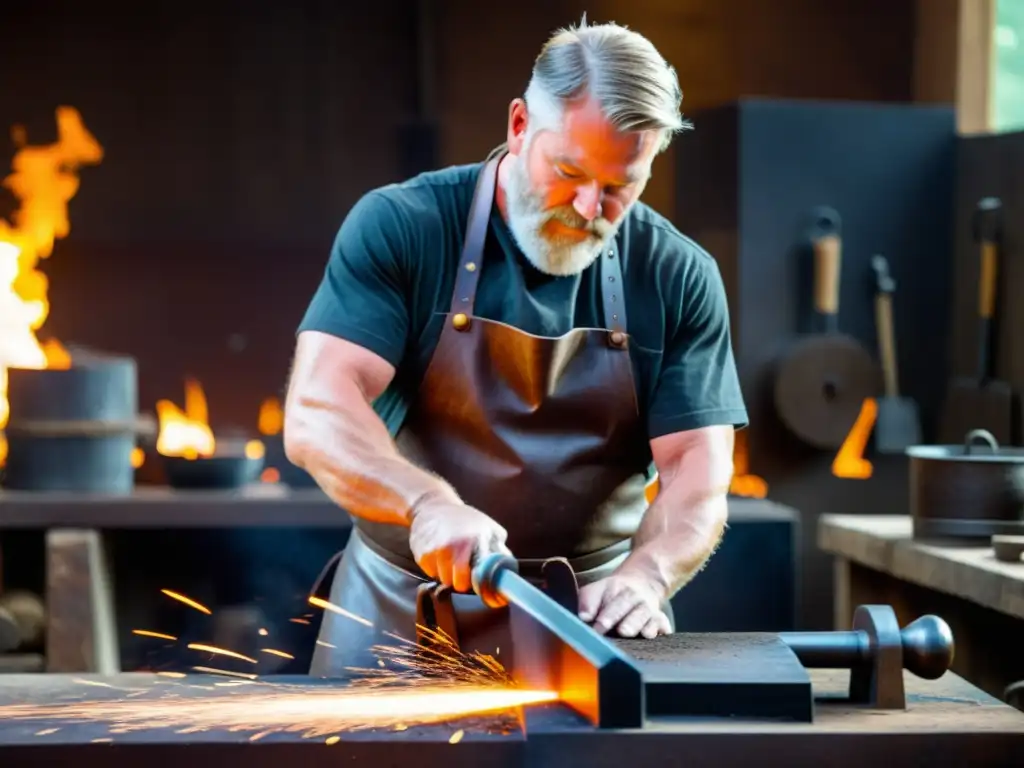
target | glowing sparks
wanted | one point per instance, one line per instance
(221, 652)
(410, 663)
(215, 671)
(187, 601)
(319, 603)
(311, 712)
(413, 684)
(149, 633)
(275, 652)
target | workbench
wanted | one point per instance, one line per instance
(947, 722)
(87, 630)
(981, 598)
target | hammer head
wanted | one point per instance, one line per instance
(987, 225)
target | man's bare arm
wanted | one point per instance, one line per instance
(685, 523)
(332, 431)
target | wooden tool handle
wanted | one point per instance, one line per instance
(987, 281)
(887, 343)
(827, 262)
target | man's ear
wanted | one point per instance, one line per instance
(517, 124)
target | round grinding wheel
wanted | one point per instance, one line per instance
(821, 385)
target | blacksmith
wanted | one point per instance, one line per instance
(502, 355)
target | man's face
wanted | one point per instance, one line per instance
(569, 189)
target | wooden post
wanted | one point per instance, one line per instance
(81, 632)
(953, 59)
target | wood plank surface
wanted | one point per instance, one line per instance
(884, 543)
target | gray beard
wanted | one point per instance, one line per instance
(527, 217)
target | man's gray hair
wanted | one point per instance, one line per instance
(635, 87)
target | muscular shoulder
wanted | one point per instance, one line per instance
(420, 211)
(673, 266)
(389, 261)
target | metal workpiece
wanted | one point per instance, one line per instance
(877, 651)
(555, 650)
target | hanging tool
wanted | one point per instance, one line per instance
(822, 381)
(982, 402)
(898, 424)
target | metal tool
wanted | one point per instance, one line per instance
(876, 651)
(898, 424)
(555, 650)
(982, 402)
(969, 491)
(822, 381)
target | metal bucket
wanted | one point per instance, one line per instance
(73, 429)
(970, 491)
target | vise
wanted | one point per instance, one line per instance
(611, 687)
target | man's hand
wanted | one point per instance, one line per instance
(445, 538)
(627, 603)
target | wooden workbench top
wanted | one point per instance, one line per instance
(884, 543)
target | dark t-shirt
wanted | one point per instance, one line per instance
(389, 280)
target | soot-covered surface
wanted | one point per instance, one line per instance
(750, 675)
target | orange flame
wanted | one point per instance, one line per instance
(44, 179)
(185, 432)
(271, 418)
(850, 463)
(743, 483)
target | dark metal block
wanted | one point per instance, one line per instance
(722, 675)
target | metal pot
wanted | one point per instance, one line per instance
(974, 490)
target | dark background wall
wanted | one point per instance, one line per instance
(238, 134)
(990, 166)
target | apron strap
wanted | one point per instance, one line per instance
(612, 293)
(470, 266)
(464, 295)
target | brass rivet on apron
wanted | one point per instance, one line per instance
(460, 321)
(618, 338)
(471, 267)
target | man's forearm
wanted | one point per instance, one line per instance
(350, 454)
(678, 535)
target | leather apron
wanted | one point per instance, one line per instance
(542, 434)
